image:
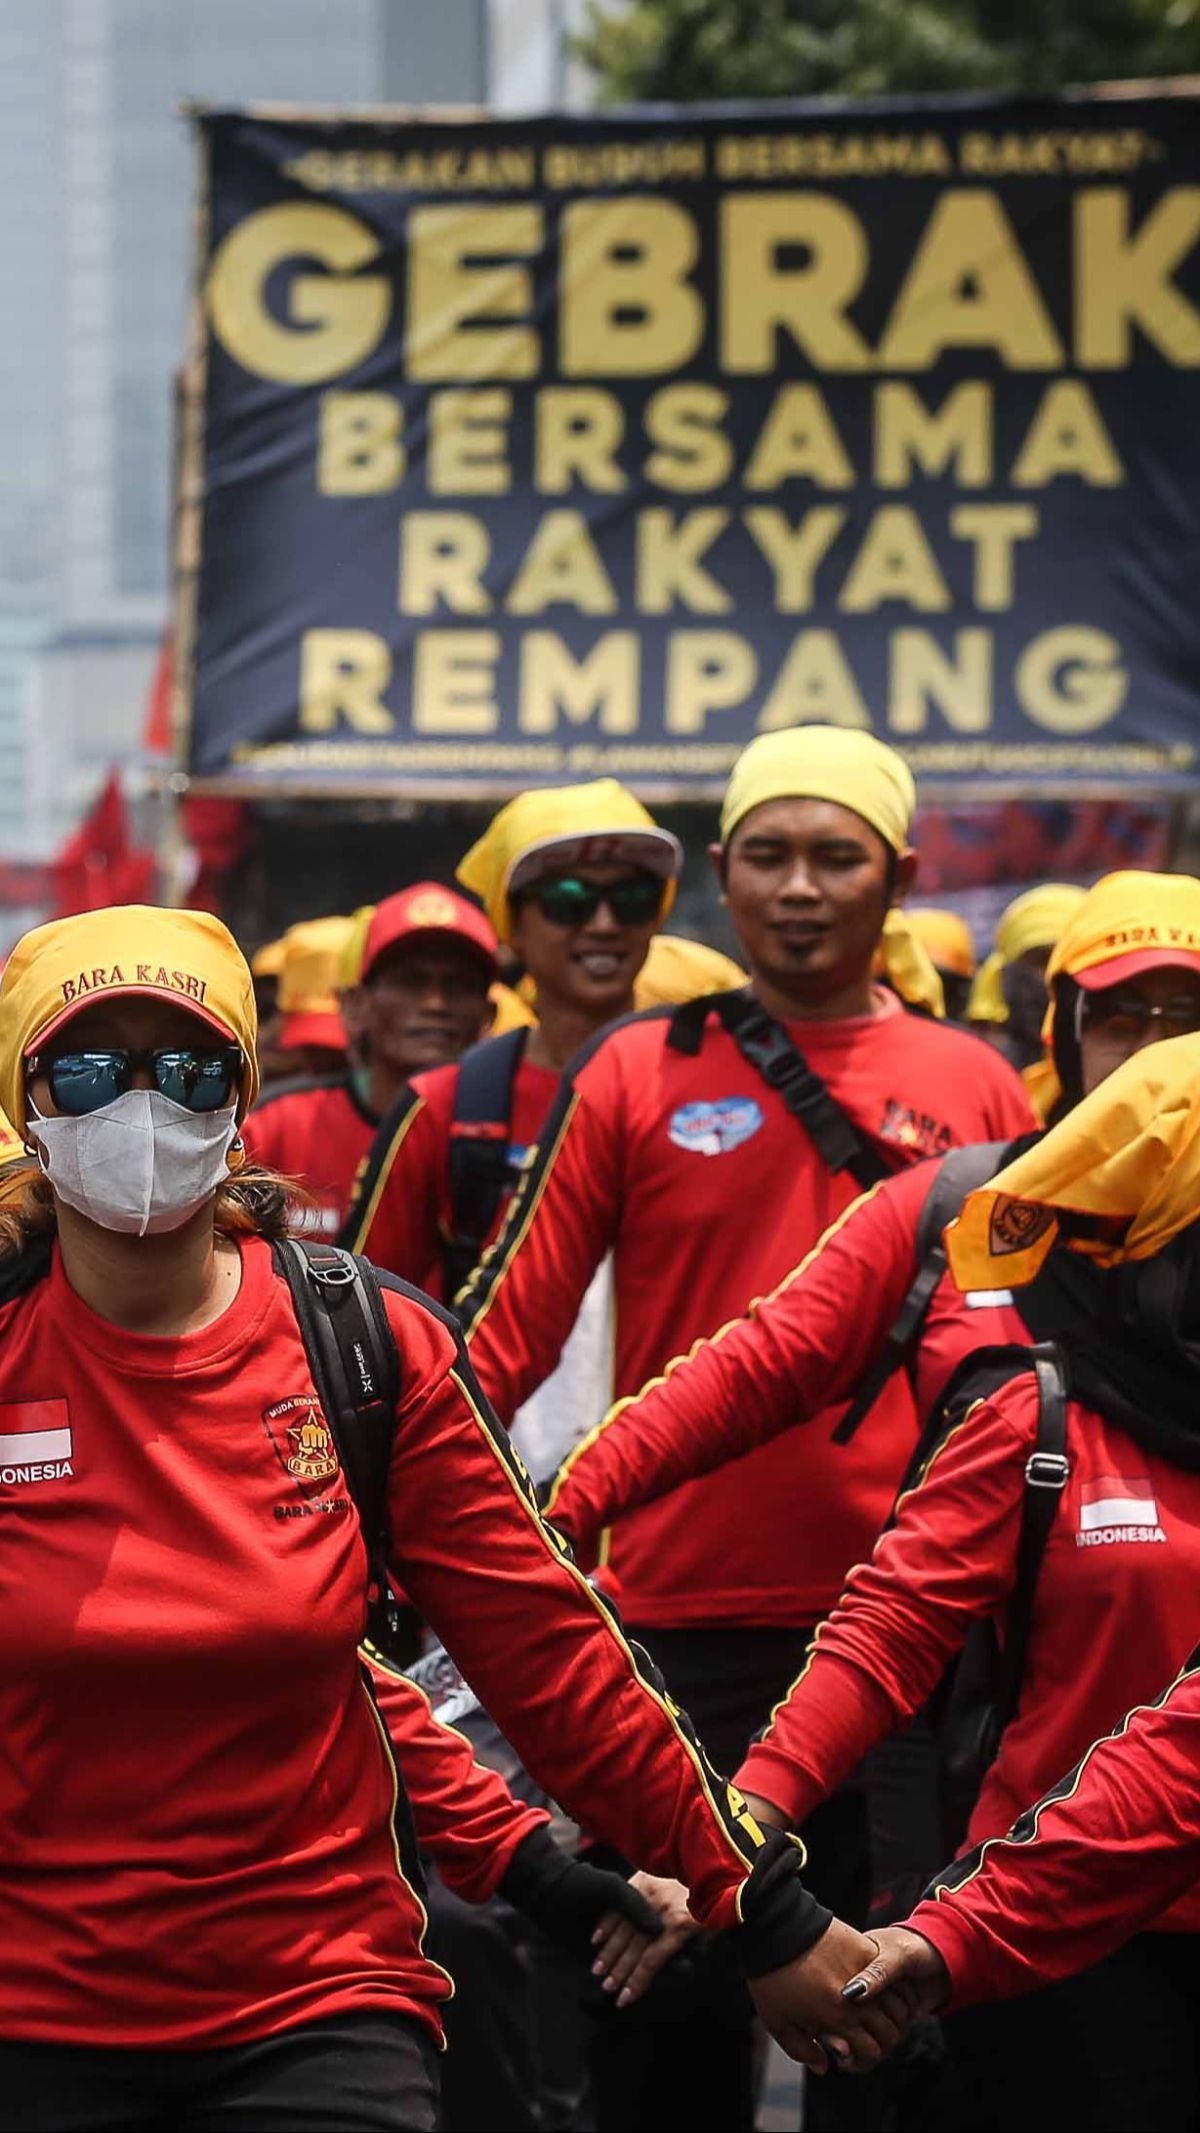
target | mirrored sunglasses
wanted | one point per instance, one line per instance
(199, 1080)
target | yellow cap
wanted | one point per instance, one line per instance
(1128, 1156)
(676, 970)
(557, 827)
(1126, 923)
(835, 763)
(945, 937)
(312, 966)
(185, 957)
(1130, 922)
(267, 961)
(1035, 919)
(354, 947)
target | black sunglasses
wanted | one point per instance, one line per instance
(1127, 1018)
(86, 1081)
(566, 900)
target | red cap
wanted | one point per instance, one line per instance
(1099, 976)
(312, 1027)
(427, 908)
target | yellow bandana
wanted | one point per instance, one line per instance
(905, 962)
(1035, 920)
(1128, 1155)
(835, 763)
(557, 827)
(186, 957)
(945, 937)
(677, 970)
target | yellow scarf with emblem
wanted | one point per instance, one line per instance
(1116, 1180)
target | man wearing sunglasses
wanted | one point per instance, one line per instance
(576, 881)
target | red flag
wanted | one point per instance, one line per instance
(99, 863)
(156, 734)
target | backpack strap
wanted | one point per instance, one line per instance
(958, 1173)
(356, 1370)
(766, 1046)
(480, 1139)
(1047, 1471)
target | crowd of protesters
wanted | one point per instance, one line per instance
(652, 1494)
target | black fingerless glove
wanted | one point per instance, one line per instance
(567, 1898)
(780, 1920)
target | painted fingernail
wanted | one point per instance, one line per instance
(856, 1989)
(625, 1998)
(610, 1984)
(597, 1970)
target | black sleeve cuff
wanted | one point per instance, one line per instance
(536, 1865)
(780, 1920)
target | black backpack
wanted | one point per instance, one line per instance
(355, 1365)
(980, 1692)
(481, 1170)
(960, 1172)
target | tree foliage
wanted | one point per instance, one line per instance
(687, 51)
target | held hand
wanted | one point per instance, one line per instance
(907, 1967)
(802, 2004)
(627, 1962)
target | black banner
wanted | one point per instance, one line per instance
(524, 450)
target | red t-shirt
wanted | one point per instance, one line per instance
(781, 1363)
(402, 1213)
(708, 1191)
(196, 1790)
(319, 1134)
(1114, 1611)
(1095, 1861)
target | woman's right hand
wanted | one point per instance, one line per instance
(906, 1964)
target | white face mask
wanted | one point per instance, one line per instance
(141, 1164)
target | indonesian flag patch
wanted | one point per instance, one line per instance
(1118, 1507)
(35, 1441)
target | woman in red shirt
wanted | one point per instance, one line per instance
(210, 1914)
(1102, 1212)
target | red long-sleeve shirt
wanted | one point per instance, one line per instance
(196, 1791)
(694, 1173)
(401, 1215)
(466, 1819)
(793, 1353)
(1099, 1858)
(1114, 1611)
(320, 1134)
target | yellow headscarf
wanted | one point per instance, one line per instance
(511, 1011)
(945, 937)
(835, 763)
(1129, 1153)
(907, 965)
(562, 826)
(1033, 920)
(185, 957)
(677, 970)
(1129, 914)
